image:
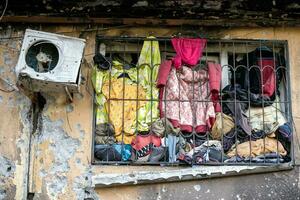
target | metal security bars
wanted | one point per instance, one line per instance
(231, 108)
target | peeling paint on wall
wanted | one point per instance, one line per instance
(62, 147)
(56, 186)
(7, 170)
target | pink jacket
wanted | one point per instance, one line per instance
(185, 100)
(206, 88)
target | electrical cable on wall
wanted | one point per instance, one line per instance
(5, 7)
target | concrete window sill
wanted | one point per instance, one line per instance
(183, 174)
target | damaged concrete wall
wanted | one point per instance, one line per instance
(60, 139)
(60, 144)
(281, 185)
(15, 125)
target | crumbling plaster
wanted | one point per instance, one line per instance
(61, 147)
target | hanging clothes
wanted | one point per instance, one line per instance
(157, 154)
(188, 51)
(262, 75)
(209, 151)
(122, 114)
(182, 89)
(148, 66)
(223, 125)
(145, 76)
(104, 134)
(98, 79)
(163, 74)
(236, 109)
(215, 77)
(172, 141)
(258, 147)
(239, 136)
(109, 86)
(162, 127)
(114, 152)
(266, 118)
(143, 144)
(186, 100)
(284, 135)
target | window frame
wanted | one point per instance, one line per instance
(288, 108)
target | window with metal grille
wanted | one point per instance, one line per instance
(173, 101)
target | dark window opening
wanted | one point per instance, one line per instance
(198, 102)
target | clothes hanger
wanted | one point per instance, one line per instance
(124, 75)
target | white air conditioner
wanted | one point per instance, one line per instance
(50, 62)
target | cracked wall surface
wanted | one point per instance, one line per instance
(59, 164)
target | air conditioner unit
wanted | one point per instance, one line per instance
(50, 62)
